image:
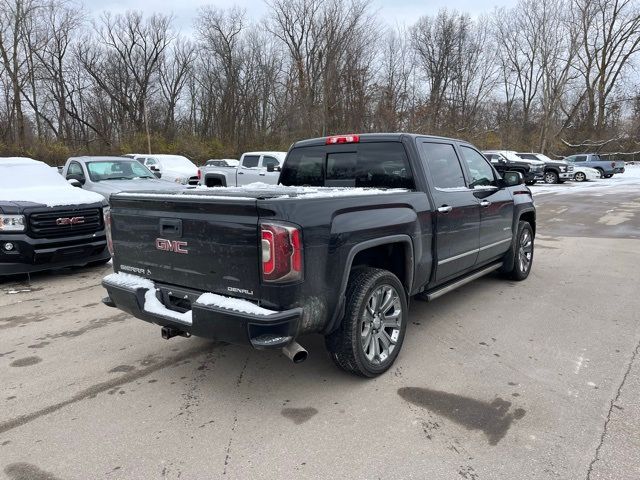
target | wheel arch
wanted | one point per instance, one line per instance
(393, 253)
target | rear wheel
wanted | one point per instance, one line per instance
(579, 177)
(609, 175)
(522, 253)
(550, 177)
(372, 331)
(601, 172)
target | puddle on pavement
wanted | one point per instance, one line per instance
(492, 418)
(299, 415)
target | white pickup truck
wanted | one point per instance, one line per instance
(254, 167)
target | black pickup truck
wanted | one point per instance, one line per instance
(358, 225)
(45, 223)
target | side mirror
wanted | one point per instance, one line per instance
(511, 179)
(153, 168)
(273, 168)
(75, 182)
(157, 173)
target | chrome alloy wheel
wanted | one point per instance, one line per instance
(525, 251)
(380, 324)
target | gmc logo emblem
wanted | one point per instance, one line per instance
(69, 221)
(171, 246)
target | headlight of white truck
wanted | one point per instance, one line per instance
(12, 223)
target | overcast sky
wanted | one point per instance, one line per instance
(391, 11)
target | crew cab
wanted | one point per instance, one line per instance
(607, 168)
(254, 167)
(507, 161)
(358, 225)
(45, 223)
(555, 171)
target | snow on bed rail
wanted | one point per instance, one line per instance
(263, 189)
(310, 192)
(154, 306)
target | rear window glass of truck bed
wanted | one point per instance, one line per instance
(374, 165)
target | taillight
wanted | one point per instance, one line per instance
(342, 139)
(281, 247)
(199, 174)
(613, 164)
(107, 228)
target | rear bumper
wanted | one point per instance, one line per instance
(36, 255)
(209, 321)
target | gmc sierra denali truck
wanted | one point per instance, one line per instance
(357, 226)
(45, 223)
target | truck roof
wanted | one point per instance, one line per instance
(94, 158)
(373, 137)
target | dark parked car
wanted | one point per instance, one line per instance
(264, 264)
(555, 171)
(45, 223)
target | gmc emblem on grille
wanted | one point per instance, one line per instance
(171, 246)
(69, 221)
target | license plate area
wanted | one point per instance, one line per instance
(177, 299)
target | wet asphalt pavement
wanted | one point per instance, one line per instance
(497, 380)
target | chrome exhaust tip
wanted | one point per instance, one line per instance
(295, 352)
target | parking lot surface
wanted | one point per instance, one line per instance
(497, 380)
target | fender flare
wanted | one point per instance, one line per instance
(359, 247)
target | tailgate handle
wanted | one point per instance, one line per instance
(171, 226)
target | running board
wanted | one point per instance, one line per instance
(463, 281)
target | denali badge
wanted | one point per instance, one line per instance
(69, 221)
(240, 290)
(171, 246)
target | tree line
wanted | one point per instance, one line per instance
(553, 76)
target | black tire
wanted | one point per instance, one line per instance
(519, 271)
(551, 177)
(530, 182)
(601, 172)
(345, 345)
(609, 175)
(579, 177)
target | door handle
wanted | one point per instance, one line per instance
(262, 174)
(445, 209)
(485, 203)
(240, 173)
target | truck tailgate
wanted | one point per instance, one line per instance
(209, 244)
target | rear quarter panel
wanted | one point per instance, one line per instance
(333, 229)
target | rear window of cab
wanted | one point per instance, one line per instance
(367, 165)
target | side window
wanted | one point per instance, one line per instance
(266, 161)
(580, 158)
(75, 169)
(443, 164)
(481, 172)
(250, 161)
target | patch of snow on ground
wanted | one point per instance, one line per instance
(229, 303)
(629, 181)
